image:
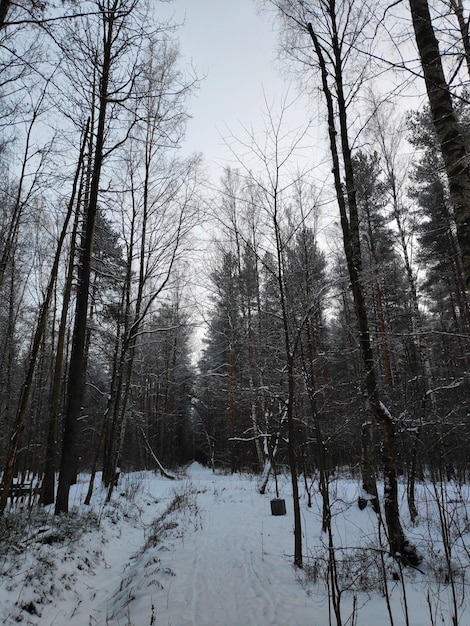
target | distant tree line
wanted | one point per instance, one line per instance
(356, 358)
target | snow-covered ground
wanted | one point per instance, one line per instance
(204, 550)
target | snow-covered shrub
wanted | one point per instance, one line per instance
(358, 569)
(49, 550)
(182, 506)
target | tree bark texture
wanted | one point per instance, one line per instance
(454, 152)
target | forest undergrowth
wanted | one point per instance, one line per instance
(43, 556)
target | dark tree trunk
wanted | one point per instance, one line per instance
(369, 482)
(48, 485)
(457, 7)
(33, 358)
(4, 6)
(289, 355)
(293, 467)
(76, 377)
(454, 153)
(351, 241)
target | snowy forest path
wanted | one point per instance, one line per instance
(237, 571)
(203, 550)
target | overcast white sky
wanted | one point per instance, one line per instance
(234, 48)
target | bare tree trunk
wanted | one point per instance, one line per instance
(454, 152)
(135, 310)
(351, 241)
(116, 434)
(369, 482)
(269, 459)
(94, 468)
(154, 457)
(48, 485)
(289, 356)
(8, 352)
(298, 560)
(76, 377)
(457, 7)
(411, 482)
(20, 203)
(36, 345)
(119, 426)
(423, 365)
(248, 327)
(309, 355)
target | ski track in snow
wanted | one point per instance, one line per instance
(234, 587)
(217, 583)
